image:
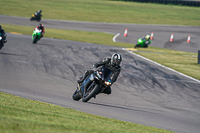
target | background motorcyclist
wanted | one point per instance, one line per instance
(112, 63)
(146, 41)
(40, 27)
(38, 14)
(3, 34)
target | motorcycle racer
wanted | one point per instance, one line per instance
(38, 14)
(112, 63)
(40, 27)
(143, 42)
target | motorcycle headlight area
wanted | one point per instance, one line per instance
(107, 83)
(0, 37)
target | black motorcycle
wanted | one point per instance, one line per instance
(94, 84)
(1, 41)
(36, 17)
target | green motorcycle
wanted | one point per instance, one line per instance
(36, 35)
(142, 42)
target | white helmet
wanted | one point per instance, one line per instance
(147, 37)
(116, 59)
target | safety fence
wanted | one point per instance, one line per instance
(175, 2)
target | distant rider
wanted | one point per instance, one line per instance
(145, 42)
(3, 34)
(112, 63)
(40, 27)
(38, 14)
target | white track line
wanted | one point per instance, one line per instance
(161, 65)
(115, 37)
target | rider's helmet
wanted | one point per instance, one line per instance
(147, 37)
(116, 59)
(40, 26)
(40, 11)
(0, 27)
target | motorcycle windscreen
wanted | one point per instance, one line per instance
(106, 73)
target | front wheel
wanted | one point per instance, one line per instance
(1, 45)
(137, 45)
(35, 39)
(90, 93)
(76, 96)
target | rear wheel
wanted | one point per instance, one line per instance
(90, 93)
(39, 19)
(76, 96)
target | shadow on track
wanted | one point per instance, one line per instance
(120, 107)
(2, 53)
(42, 44)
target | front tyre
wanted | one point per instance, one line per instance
(137, 45)
(91, 93)
(35, 39)
(1, 45)
(76, 95)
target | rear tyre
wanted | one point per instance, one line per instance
(91, 93)
(39, 19)
(76, 95)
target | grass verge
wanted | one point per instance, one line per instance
(104, 11)
(180, 61)
(82, 36)
(19, 115)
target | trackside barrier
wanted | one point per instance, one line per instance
(175, 2)
(198, 56)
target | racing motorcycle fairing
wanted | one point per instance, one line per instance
(94, 84)
(36, 35)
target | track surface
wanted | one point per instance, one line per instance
(162, 33)
(144, 92)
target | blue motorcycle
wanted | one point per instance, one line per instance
(94, 84)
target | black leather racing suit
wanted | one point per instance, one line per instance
(38, 14)
(107, 63)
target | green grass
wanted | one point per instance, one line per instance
(19, 115)
(104, 11)
(82, 36)
(22, 115)
(183, 62)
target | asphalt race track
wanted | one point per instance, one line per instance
(144, 93)
(161, 39)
